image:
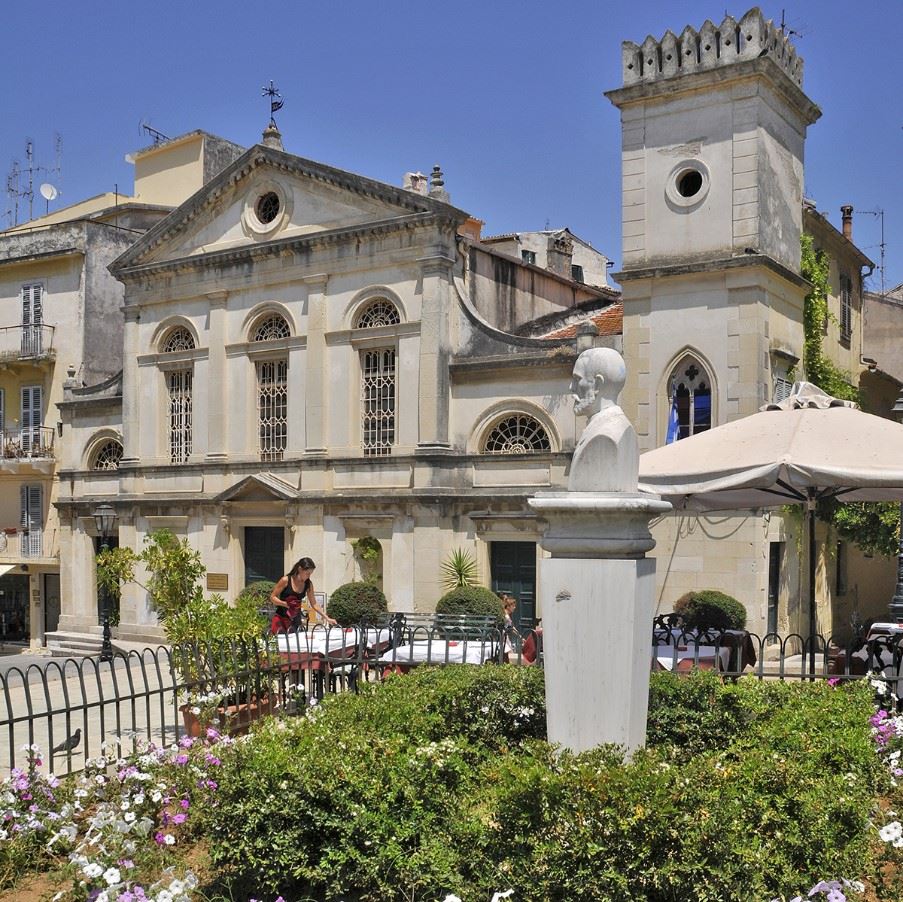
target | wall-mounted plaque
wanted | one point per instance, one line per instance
(217, 582)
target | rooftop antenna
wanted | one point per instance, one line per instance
(20, 180)
(276, 101)
(156, 136)
(788, 31)
(881, 246)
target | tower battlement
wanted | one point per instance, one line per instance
(711, 47)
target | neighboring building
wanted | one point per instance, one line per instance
(558, 250)
(61, 322)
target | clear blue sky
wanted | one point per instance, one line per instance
(506, 96)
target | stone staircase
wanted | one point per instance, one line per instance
(73, 645)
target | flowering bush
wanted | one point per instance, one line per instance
(115, 821)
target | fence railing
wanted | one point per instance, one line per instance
(70, 708)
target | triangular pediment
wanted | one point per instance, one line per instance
(308, 198)
(259, 487)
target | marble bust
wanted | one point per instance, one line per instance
(606, 458)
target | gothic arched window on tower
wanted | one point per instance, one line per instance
(691, 400)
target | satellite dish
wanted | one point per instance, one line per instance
(49, 192)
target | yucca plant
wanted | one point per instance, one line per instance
(459, 569)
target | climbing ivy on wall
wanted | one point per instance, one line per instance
(873, 527)
(815, 267)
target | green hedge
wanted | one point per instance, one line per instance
(710, 608)
(353, 602)
(439, 781)
(471, 600)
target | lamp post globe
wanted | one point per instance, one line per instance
(105, 519)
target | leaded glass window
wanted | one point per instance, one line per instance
(272, 407)
(379, 313)
(272, 328)
(517, 434)
(179, 339)
(108, 456)
(378, 401)
(179, 383)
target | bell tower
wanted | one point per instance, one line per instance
(713, 131)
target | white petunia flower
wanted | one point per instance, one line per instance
(111, 876)
(890, 832)
(92, 870)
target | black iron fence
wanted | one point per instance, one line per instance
(71, 708)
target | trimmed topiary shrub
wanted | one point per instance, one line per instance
(471, 600)
(354, 602)
(259, 593)
(710, 608)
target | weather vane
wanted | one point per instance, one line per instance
(276, 101)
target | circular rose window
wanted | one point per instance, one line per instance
(267, 208)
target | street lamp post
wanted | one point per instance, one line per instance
(104, 519)
(896, 603)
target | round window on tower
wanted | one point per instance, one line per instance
(687, 185)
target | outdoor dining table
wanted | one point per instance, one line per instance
(681, 658)
(875, 653)
(437, 651)
(741, 651)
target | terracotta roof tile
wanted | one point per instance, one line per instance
(609, 322)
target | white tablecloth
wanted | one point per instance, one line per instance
(666, 655)
(328, 642)
(438, 651)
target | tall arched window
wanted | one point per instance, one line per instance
(690, 389)
(272, 390)
(179, 384)
(518, 433)
(378, 381)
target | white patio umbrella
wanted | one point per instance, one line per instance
(808, 447)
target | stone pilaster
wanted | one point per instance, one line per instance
(316, 394)
(217, 409)
(434, 354)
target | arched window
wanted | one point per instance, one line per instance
(178, 339)
(271, 328)
(107, 456)
(378, 313)
(517, 434)
(691, 400)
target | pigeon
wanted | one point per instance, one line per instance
(69, 744)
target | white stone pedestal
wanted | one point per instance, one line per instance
(598, 593)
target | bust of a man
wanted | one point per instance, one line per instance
(606, 458)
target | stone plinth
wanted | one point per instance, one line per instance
(599, 591)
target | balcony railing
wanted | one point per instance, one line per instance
(28, 443)
(26, 342)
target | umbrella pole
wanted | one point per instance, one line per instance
(810, 524)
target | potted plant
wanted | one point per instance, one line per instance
(216, 647)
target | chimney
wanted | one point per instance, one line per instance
(416, 182)
(560, 253)
(846, 217)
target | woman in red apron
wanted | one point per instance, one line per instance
(288, 597)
